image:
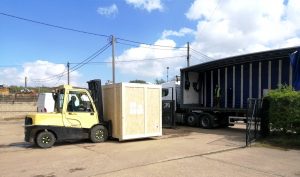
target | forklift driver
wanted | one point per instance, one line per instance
(71, 105)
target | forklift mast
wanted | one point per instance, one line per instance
(96, 93)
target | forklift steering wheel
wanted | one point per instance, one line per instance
(81, 108)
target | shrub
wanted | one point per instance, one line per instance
(284, 110)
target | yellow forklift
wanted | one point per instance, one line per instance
(78, 115)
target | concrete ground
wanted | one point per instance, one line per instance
(184, 151)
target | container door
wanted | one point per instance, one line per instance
(153, 112)
(133, 118)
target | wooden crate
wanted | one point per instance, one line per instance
(137, 112)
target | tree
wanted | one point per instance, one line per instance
(159, 81)
(138, 81)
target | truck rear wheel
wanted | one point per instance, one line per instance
(192, 119)
(207, 121)
(45, 139)
(98, 134)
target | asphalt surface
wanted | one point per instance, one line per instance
(184, 151)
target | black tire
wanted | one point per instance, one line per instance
(45, 139)
(206, 121)
(192, 119)
(98, 134)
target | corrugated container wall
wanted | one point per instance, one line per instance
(137, 112)
(238, 77)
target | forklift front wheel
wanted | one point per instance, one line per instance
(98, 134)
(45, 139)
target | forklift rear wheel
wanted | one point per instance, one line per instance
(45, 139)
(98, 134)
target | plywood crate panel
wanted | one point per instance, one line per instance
(136, 112)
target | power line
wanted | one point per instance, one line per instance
(88, 59)
(202, 60)
(94, 62)
(162, 58)
(81, 31)
(60, 77)
(105, 62)
(136, 42)
(201, 54)
(196, 58)
(201, 57)
(134, 60)
(54, 26)
(39, 64)
(149, 46)
(77, 66)
(161, 47)
(64, 73)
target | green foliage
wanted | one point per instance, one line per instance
(285, 141)
(138, 81)
(44, 89)
(284, 112)
(159, 81)
(18, 89)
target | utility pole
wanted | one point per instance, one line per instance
(188, 54)
(113, 57)
(113, 75)
(168, 74)
(68, 65)
(25, 82)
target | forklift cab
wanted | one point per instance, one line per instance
(75, 117)
(78, 110)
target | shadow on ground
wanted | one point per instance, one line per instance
(230, 135)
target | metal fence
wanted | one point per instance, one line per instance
(253, 126)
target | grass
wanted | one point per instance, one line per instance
(281, 141)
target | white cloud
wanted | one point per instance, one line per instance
(149, 62)
(9, 76)
(232, 28)
(182, 32)
(148, 5)
(108, 11)
(225, 29)
(201, 9)
(38, 73)
(292, 42)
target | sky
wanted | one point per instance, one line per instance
(150, 36)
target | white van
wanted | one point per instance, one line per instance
(45, 103)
